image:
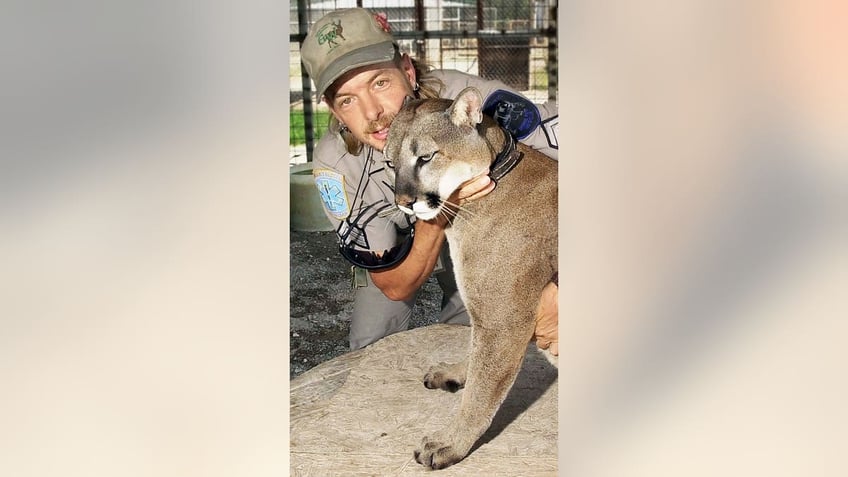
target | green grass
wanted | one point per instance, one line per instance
(297, 133)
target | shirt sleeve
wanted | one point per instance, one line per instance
(331, 183)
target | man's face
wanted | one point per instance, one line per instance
(368, 98)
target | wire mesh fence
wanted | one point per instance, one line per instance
(511, 41)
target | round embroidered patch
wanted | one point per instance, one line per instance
(331, 186)
(513, 112)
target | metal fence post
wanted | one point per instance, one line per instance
(308, 127)
(553, 66)
(420, 52)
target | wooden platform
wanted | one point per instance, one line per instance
(363, 413)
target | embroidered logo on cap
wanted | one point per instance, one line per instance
(331, 186)
(329, 33)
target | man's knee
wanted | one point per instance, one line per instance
(375, 316)
(454, 311)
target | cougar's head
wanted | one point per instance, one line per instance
(434, 145)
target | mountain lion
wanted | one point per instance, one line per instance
(503, 246)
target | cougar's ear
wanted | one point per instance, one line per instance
(466, 109)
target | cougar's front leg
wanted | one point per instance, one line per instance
(494, 362)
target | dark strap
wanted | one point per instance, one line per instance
(507, 159)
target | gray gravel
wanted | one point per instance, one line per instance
(321, 301)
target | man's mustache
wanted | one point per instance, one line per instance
(380, 124)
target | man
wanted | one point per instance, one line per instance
(361, 75)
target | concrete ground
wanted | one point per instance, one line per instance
(365, 412)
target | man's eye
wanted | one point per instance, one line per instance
(345, 101)
(381, 83)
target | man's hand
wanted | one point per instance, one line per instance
(547, 320)
(475, 188)
(472, 189)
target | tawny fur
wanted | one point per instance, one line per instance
(503, 246)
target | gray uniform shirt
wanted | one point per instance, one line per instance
(340, 176)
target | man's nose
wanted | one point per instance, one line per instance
(372, 108)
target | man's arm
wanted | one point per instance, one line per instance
(546, 333)
(401, 282)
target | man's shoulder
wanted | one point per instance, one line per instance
(512, 110)
(329, 152)
(455, 81)
(452, 75)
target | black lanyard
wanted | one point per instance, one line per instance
(353, 240)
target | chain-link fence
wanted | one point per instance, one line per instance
(512, 41)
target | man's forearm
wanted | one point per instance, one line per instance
(402, 281)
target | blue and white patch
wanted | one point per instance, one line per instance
(513, 112)
(331, 186)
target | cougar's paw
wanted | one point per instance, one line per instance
(450, 377)
(437, 454)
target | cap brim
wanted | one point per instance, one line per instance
(369, 55)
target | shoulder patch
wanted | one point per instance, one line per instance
(331, 186)
(513, 112)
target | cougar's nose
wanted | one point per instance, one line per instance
(405, 203)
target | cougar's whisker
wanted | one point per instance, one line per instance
(394, 214)
(457, 209)
(458, 212)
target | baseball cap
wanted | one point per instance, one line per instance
(343, 40)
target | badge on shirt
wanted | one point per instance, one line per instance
(513, 112)
(331, 186)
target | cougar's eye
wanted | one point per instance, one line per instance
(388, 160)
(426, 159)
